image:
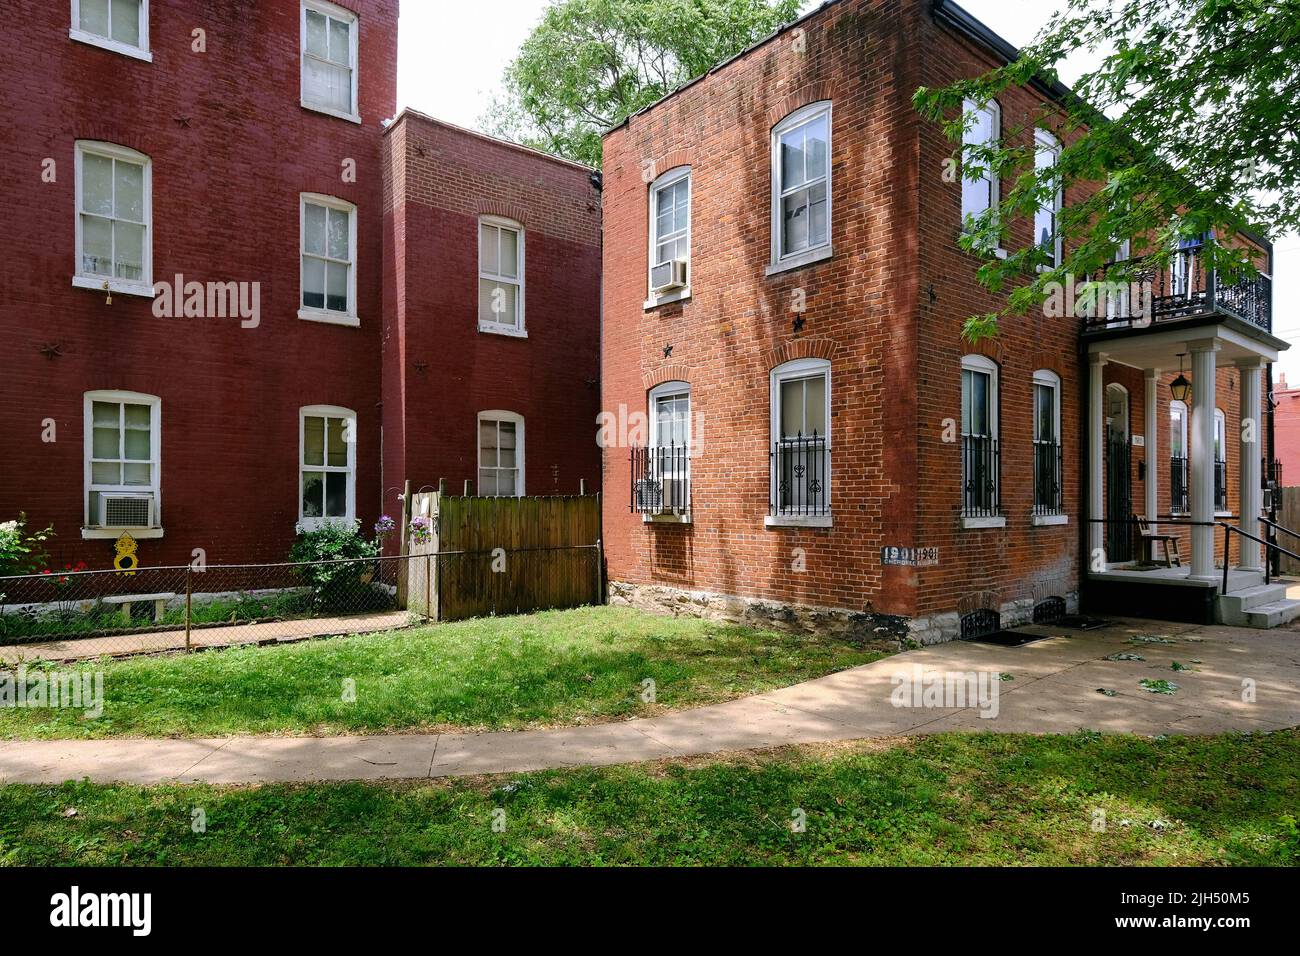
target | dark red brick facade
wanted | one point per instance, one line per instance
(231, 149)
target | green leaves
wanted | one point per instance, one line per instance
(590, 64)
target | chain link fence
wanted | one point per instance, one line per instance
(83, 614)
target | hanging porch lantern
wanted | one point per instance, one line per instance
(1180, 388)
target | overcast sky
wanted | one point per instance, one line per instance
(451, 55)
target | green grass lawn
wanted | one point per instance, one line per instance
(557, 667)
(975, 799)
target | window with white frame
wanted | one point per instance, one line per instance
(329, 59)
(979, 184)
(1046, 154)
(114, 218)
(1047, 443)
(1178, 468)
(670, 233)
(327, 463)
(1220, 462)
(669, 459)
(118, 25)
(329, 258)
(979, 437)
(123, 445)
(801, 186)
(500, 275)
(500, 453)
(801, 438)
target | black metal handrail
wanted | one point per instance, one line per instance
(800, 476)
(981, 487)
(661, 480)
(1182, 288)
(1227, 538)
(1048, 498)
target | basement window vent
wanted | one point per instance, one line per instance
(979, 623)
(1049, 610)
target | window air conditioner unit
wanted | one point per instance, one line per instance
(125, 509)
(677, 496)
(668, 276)
(649, 496)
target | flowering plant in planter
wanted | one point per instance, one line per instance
(421, 530)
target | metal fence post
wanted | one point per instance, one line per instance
(189, 596)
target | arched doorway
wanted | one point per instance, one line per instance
(1119, 476)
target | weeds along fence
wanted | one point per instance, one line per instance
(69, 614)
(505, 555)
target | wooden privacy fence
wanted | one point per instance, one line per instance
(504, 555)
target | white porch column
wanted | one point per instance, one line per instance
(1204, 366)
(1096, 454)
(1252, 498)
(1151, 450)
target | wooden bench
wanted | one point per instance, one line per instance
(1155, 537)
(126, 600)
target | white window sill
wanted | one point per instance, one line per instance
(339, 114)
(1223, 514)
(140, 534)
(678, 295)
(118, 286)
(797, 521)
(666, 518)
(115, 46)
(799, 260)
(509, 330)
(1042, 521)
(329, 318)
(984, 521)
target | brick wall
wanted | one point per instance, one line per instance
(440, 370)
(231, 150)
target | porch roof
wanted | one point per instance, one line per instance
(1159, 346)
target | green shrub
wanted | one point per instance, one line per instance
(343, 586)
(22, 552)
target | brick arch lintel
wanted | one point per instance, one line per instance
(978, 601)
(805, 95)
(1050, 361)
(506, 210)
(991, 349)
(665, 373)
(670, 161)
(797, 349)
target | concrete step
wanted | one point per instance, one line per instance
(1273, 615)
(1235, 606)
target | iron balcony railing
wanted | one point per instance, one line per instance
(1220, 486)
(800, 476)
(981, 488)
(1178, 485)
(1047, 478)
(661, 480)
(1185, 288)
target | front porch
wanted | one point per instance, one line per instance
(1179, 450)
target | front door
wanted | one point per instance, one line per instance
(1119, 477)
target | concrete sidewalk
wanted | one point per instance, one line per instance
(1054, 690)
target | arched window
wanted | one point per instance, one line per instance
(1048, 498)
(114, 219)
(123, 458)
(1046, 153)
(500, 453)
(327, 465)
(979, 183)
(801, 187)
(670, 236)
(1220, 462)
(1178, 417)
(981, 497)
(801, 438)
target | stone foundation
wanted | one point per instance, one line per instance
(865, 627)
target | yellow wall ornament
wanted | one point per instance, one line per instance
(126, 561)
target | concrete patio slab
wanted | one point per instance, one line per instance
(1054, 690)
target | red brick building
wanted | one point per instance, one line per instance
(1286, 416)
(215, 329)
(803, 434)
